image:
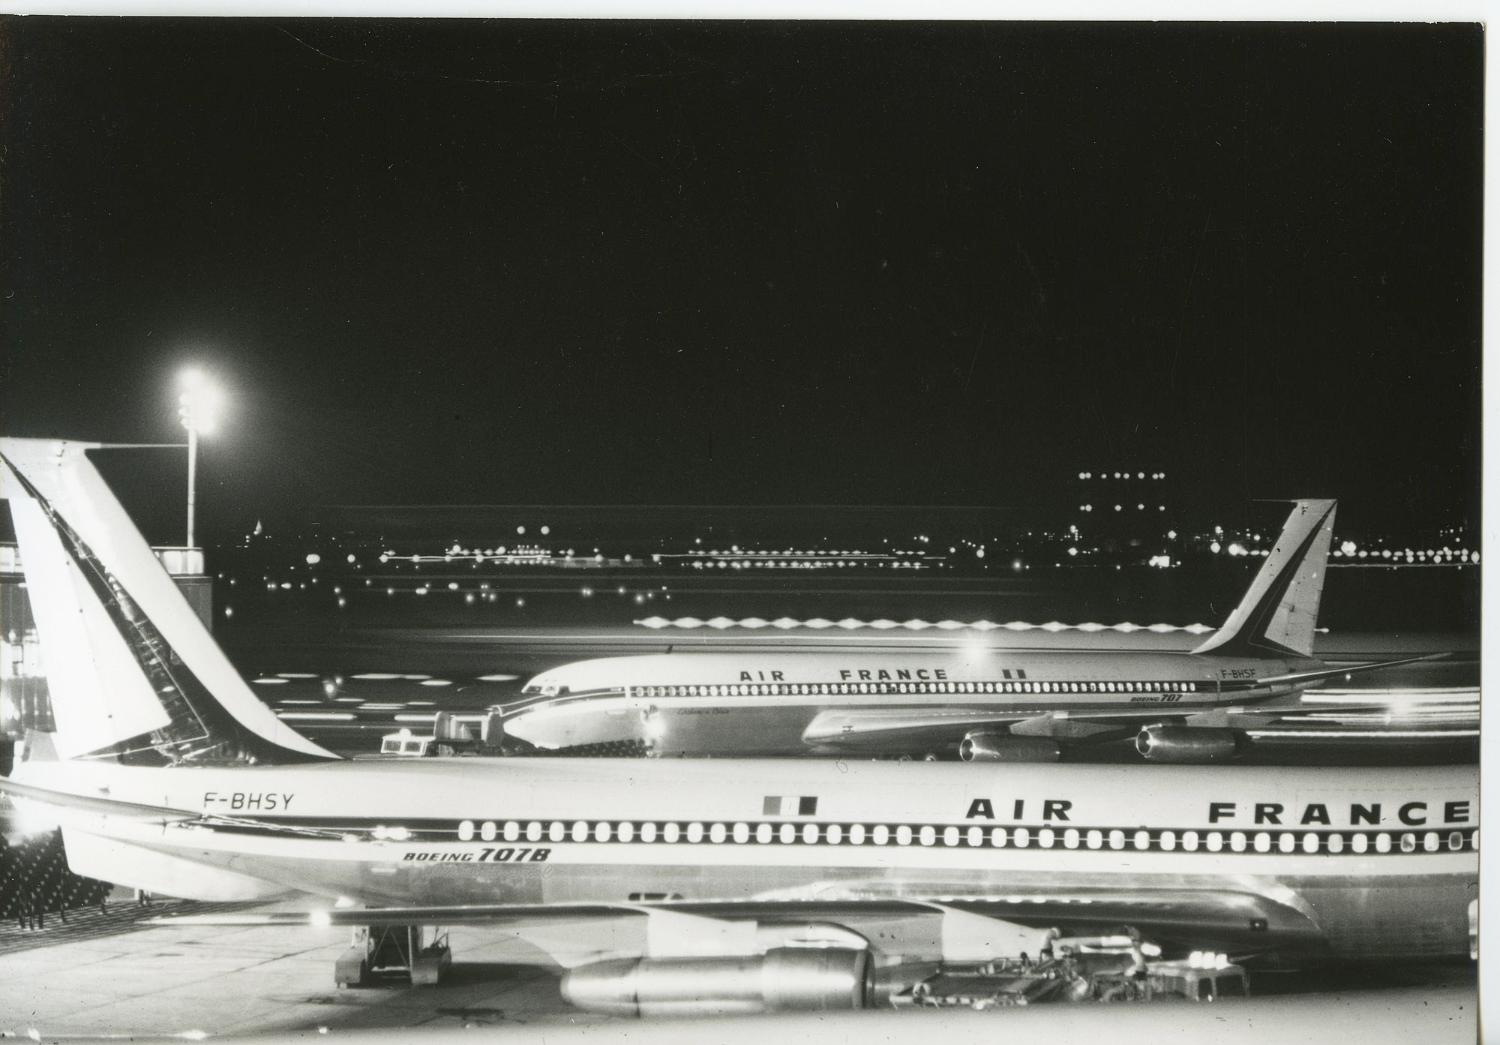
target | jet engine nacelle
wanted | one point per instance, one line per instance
(1006, 747)
(1188, 744)
(784, 979)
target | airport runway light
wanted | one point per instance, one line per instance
(198, 404)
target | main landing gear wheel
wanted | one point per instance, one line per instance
(388, 955)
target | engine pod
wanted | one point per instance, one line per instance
(785, 979)
(1006, 747)
(1187, 744)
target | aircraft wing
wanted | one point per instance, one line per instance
(883, 729)
(879, 728)
(1237, 922)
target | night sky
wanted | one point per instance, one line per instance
(581, 262)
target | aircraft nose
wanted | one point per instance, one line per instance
(528, 727)
(574, 725)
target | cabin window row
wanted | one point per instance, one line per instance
(972, 836)
(849, 688)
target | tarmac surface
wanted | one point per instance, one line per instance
(117, 973)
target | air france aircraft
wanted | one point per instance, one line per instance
(684, 886)
(984, 706)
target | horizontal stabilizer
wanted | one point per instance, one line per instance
(89, 804)
(1296, 677)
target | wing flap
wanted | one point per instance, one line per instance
(1061, 727)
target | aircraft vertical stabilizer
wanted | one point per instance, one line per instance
(132, 672)
(1279, 613)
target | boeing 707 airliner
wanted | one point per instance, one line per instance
(692, 886)
(982, 705)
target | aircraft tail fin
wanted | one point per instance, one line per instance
(132, 673)
(1279, 613)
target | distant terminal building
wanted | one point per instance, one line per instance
(656, 537)
(1120, 510)
(648, 528)
(23, 675)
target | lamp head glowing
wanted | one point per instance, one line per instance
(199, 403)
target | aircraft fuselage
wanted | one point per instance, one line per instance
(731, 705)
(1313, 854)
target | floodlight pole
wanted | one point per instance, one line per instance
(192, 448)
